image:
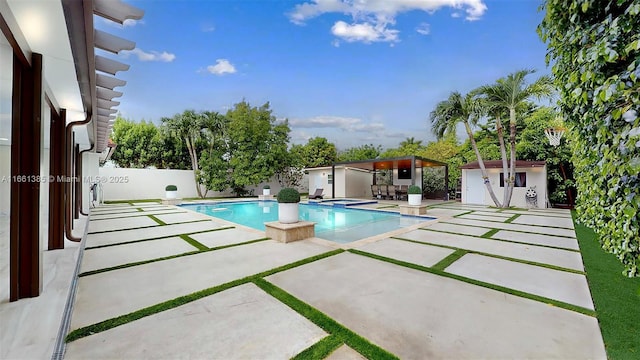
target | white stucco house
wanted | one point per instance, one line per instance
(531, 179)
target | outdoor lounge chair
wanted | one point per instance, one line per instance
(401, 192)
(375, 191)
(317, 195)
(391, 192)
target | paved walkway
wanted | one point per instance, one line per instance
(162, 282)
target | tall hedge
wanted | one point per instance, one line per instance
(594, 47)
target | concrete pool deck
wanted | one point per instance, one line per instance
(516, 289)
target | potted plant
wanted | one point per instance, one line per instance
(171, 192)
(288, 199)
(415, 195)
(266, 190)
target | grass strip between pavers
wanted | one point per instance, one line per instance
(321, 349)
(453, 257)
(193, 242)
(387, 206)
(133, 214)
(204, 249)
(179, 301)
(155, 238)
(131, 202)
(548, 266)
(510, 220)
(489, 234)
(522, 294)
(353, 340)
(504, 222)
(160, 222)
(615, 296)
(464, 213)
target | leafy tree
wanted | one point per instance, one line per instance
(507, 94)
(214, 166)
(408, 147)
(257, 145)
(139, 144)
(318, 151)
(534, 145)
(468, 110)
(595, 47)
(362, 152)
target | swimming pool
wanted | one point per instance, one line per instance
(342, 225)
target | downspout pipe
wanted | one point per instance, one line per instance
(81, 180)
(68, 219)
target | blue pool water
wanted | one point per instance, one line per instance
(342, 225)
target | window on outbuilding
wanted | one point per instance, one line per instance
(520, 179)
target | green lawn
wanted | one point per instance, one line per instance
(616, 297)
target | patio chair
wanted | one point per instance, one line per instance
(375, 191)
(383, 191)
(391, 192)
(317, 195)
(402, 192)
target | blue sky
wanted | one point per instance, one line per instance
(355, 72)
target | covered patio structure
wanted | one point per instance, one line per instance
(405, 170)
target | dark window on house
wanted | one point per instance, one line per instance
(521, 179)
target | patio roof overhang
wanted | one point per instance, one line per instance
(402, 162)
(96, 87)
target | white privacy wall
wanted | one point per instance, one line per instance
(129, 184)
(132, 184)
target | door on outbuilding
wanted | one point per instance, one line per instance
(473, 187)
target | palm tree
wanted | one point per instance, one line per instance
(410, 141)
(188, 127)
(466, 109)
(506, 95)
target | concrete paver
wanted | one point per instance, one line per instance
(106, 295)
(539, 239)
(473, 216)
(100, 258)
(566, 223)
(516, 227)
(542, 212)
(459, 229)
(240, 323)
(562, 258)
(182, 217)
(493, 214)
(141, 213)
(226, 237)
(345, 353)
(424, 255)
(116, 237)
(420, 315)
(559, 285)
(121, 223)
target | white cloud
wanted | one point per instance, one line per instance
(372, 18)
(151, 55)
(207, 28)
(222, 66)
(456, 15)
(423, 29)
(337, 122)
(126, 23)
(365, 32)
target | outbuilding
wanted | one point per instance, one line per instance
(530, 190)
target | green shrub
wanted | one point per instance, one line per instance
(288, 195)
(595, 50)
(171, 188)
(414, 189)
(266, 187)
